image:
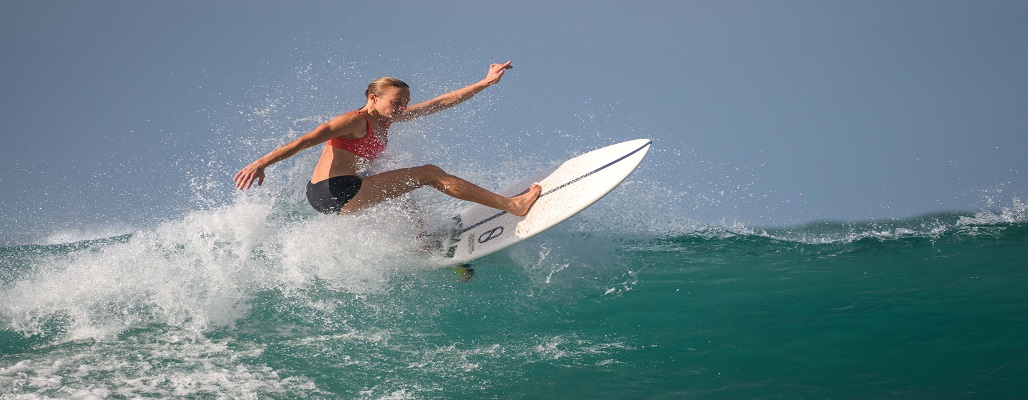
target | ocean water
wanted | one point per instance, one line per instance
(263, 298)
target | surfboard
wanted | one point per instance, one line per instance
(568, 188)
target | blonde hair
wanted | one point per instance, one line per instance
(376, 86)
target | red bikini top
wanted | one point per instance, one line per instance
(369, 146)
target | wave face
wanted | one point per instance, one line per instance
(257, 298)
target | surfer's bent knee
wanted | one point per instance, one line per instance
(433, 169)
(431, 172)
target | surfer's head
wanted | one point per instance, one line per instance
(388, 96)
(377, 86)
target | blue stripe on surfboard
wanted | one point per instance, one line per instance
(564, 185)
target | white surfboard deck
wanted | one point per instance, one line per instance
(568, 188)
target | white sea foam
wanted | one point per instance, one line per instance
(199, 272)
(167, 364)
(1016, 212)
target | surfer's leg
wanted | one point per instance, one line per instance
(464, 190)
(387, 185)
(381, 187)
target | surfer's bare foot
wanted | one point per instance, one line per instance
(523, 202)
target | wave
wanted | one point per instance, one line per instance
(928, 226)
(197, 273)
(203, 271)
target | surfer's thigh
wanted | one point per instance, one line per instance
(388, 185)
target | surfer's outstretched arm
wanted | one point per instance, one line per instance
(455, 97)
(340, 126)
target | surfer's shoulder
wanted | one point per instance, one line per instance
(349, 125)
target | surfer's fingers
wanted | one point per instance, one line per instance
(240, 179)
(244, 179)
(498, 69)
(254, 177)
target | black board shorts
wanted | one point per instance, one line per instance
(330, 195)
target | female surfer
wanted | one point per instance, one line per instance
(361, 135)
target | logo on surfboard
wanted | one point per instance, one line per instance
(484, 237)
(490, 234)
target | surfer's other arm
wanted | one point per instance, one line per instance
(455, 97)
(340, 126)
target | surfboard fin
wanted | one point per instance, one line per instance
(464, 272)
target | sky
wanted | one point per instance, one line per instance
(124, 113)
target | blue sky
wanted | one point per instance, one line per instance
(768, 113)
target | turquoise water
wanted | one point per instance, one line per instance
(256, 300)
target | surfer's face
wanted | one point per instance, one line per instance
(392, 101)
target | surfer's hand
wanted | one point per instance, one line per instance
(245, 177)
(496, 72)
